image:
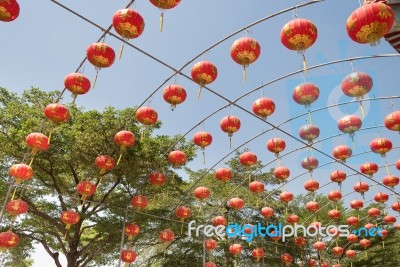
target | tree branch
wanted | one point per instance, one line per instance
(105, 196)
(46, 247)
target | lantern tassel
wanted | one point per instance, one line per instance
(383, 244)
(119, 159)
(142, 135)
(50, 134)
(204, 157)
(387, 168)
(362, 109)
(278, 161)
(304, 62)
(182, 227)
(95, 79)
(33, 157)
(121, 50)
(366, 254)
(249, 178)
(13, 195)
(161, 21)
(276, 249)
(309, 117)
(244, 74)
(351, 264)
(198, 95)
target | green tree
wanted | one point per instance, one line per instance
(95, 239)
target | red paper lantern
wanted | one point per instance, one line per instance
(86, 188)
(177, 158)
(248, 159)
(128, 256)
(128, 23)
(202, 192)
(356, 204)
(70, 218)
(257, 253)
(100, 55)
(124, 139)
(369, 23)
(286, 197)
(230, 125)
(235, 249)
(335, 195)
(309, 163)
(210, 244)
(256, 187)
(165, 4)
(338, 176)
(350, 124)
(299, 34)
(396, 206)
(351, 253)
(334, 214)
(369, 168)
(357, 84)
(139, 202)
(203, 73)
(245, 51)
(104, 163)
(236, 203)
(56, 113)
(21, 172)
(157, 179)
(219, 220)
(342, 152)
(267, 212)
(352, 238)
(305, 94)
(276, 145)
(368, 226)
(263, 107)
(311, 185)
(9, 10)
(8, 240)
(324, 264)
(131, 230)
(309, 132)
(312, 206)
(381, 197)
(389, 219)
(315, 225)
(336, 265)
(398, 164)
(353, 221)
(286, 258)
(174, 94)
(281, 173)
(361, 187)
(391, 180)
(77, 83)
(223, 174)
(365, 243)
(374, 212)
(202, 139)
(384, 233)
(183, 213)
(300, 241)
(37, 142)
(167, 236)
(292, 219)
(381, 146)
(210, 264)
(16, 207)
(312, 263)
(146, 115)
(392, 121)
(319, 245)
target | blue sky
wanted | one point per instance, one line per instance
(46, 43)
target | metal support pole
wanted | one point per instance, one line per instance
(3, 208)
(122, 238)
